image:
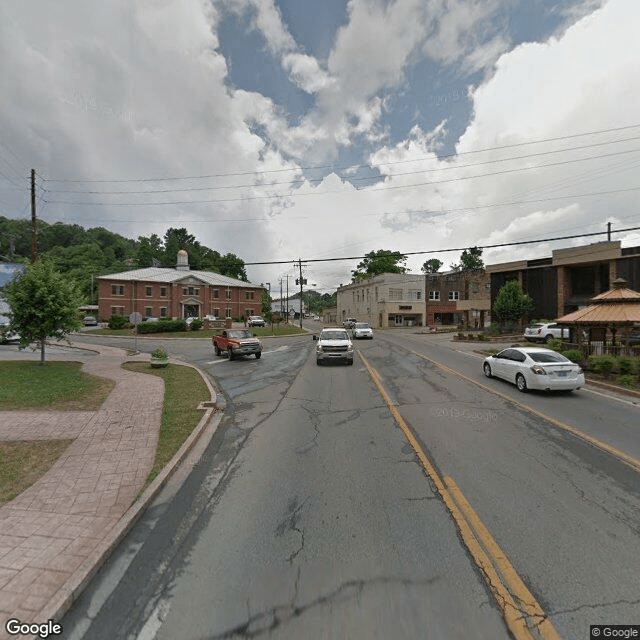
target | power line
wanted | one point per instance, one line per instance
(433, 212)
(321, 193)
(483, 247)
(341, 167)
(352, 179)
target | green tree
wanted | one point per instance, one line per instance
(377, 262)
(431, 266)
(150, 251)
(44, 304)
(266, 305)
(511, 303)
(469, 259)
(232, 266)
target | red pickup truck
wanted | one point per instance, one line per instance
(237, 342)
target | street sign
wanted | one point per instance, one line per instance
(135, 318)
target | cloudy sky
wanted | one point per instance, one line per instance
(286, 129)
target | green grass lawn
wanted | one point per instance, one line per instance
(276, 330)
(57, 386)
(184, 389)
(52, 386)
(61, 385)
(23, 463)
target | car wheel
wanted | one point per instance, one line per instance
(487, 370)
(258, 355)
(548, 338)
(318, 361)
(230, 353)
(216, 348)
(521, 383)
(350, 362)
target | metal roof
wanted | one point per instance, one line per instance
(158, 274)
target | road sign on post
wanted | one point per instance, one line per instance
(135, 319)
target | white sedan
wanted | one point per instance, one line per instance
(534, 368)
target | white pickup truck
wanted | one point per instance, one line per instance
(543, 332)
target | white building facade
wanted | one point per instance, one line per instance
(386, 300)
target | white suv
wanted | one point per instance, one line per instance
(543, 332)
(334, 344)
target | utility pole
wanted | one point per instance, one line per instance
(281, 300)
(301, 283)
(608, 232)
(287, 277)
(34, 229)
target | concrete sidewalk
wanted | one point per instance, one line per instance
(54, 534)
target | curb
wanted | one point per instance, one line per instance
(79, 580)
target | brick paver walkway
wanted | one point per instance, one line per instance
(48, 531)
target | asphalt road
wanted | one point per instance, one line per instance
(310, 515)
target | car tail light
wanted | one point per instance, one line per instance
(538, 370)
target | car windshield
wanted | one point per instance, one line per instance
(241, 333)
(334, 335)
(543, 356)
(362, 325)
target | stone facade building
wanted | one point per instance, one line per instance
(386, 300)
(176, 293)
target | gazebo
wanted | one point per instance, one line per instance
(609, 312)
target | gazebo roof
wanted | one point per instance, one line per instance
(619, 305)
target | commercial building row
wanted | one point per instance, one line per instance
(564, 282)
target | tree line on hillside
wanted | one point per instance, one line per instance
(82, 254)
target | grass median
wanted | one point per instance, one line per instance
(184, 390)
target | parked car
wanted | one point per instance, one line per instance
(362, 330)
(7, 336)
(543, 332)
(634, 338)
(256, 321)
(534, 368)
(334, 344)
(90, 321)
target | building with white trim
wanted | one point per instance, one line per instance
(177, 293)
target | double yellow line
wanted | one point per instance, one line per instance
(522, 613)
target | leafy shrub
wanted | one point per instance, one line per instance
(575, 355)
(494, 329)
(555, 344)
(482, 337)
(117, 322)
(602, 364)
(196, 324)
(161, 327)
(625, 364)
(159, 353)
(627, 380)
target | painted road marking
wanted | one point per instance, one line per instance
(521, 618)
(603, 446)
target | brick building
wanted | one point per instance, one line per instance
(177, 293)
(570, 278)
(458, 297)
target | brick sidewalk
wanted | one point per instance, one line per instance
(50, 529)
